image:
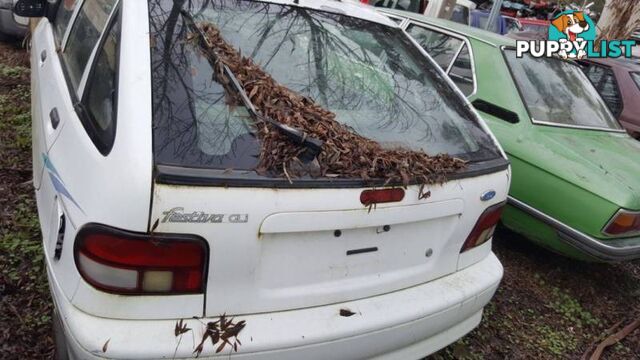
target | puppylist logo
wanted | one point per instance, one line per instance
(572, 35)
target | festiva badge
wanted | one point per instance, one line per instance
(572, 35)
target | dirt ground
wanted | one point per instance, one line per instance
(547, 307)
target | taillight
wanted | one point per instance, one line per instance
(372, 197)
(624, 222)
(486, 225)
(121, 262)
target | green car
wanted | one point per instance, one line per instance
(576, 173)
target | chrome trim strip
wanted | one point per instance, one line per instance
(569, 126)
(583, 242)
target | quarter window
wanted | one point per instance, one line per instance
(462, 73)
(605, 82)
(441, 47)
(99, 99)
(451, 53)
(63, 16)
(84, 36)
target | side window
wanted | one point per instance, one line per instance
(605, 82)
(99, 99)
(636, 78)
(84, 36)
(441, 47)
(63, 16)
(462, 71)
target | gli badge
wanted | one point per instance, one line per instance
(488, 195)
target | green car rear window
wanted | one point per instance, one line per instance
(558, 92)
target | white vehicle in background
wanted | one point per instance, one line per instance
(155, 220)
(11, 26)
(454, 10)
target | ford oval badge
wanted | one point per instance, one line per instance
(488, 195)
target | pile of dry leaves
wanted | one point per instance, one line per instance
(345, 154)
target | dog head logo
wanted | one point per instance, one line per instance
(571, 25)
(572, 35)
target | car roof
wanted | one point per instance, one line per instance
(351, 8)
(534, 21)
(628, 64)
(485, 36)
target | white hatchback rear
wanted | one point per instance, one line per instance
(153, 208)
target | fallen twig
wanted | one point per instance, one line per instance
(614, 339)
(14, 311)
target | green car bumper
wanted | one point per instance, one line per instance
(560, 237)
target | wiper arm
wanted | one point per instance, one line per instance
(313, 146)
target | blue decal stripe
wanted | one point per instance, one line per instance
(57, 181)
(49, 165)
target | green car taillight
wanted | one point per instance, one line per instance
(624, 222)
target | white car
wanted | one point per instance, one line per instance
(156, 223)
(454, 10)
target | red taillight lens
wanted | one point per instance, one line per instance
(486, 225)
(120, 262)
(372, 197)
(623, 223)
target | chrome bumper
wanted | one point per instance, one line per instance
(609, 250)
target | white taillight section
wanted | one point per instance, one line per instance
(108, 275)
(121, 262)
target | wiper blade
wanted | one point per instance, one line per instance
(312, 146)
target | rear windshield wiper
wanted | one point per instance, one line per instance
(312, 146)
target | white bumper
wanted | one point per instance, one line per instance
(406, 324)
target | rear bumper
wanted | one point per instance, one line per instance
(406, 324)
(604, 250)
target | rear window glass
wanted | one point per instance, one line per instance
(370, 75)
(558, 92)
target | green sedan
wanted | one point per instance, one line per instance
(576, 173)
